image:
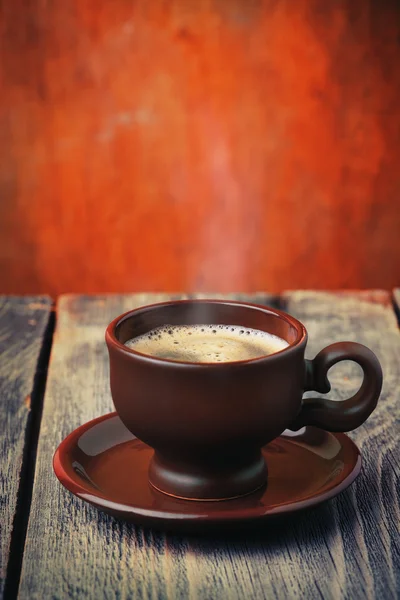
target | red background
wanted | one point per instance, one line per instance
(217, 145)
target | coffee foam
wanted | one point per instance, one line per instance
(207, 343)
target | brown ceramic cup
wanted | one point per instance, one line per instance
(207, 422)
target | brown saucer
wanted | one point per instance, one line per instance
(104, 464)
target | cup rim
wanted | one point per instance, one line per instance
(111, 338)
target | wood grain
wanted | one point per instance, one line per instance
(228, 144)
(345, 549)
(367, 555)
(23, 325)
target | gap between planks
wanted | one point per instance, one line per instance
(34, 403)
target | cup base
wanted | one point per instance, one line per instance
(214, 481)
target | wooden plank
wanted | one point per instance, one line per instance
(326, 553)
(23, 325)
(365, 546)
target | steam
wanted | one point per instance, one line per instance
(226, 238)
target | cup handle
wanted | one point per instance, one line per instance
(348, 414)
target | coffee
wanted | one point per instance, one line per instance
(206, 343)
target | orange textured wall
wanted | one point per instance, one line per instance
(227, 144)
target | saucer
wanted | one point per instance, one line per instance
(103, 463)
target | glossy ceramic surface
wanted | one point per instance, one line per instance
(103, 463)
(208, 422)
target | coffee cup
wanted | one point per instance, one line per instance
(207, 421)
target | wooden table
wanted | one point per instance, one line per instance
(55, 546)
